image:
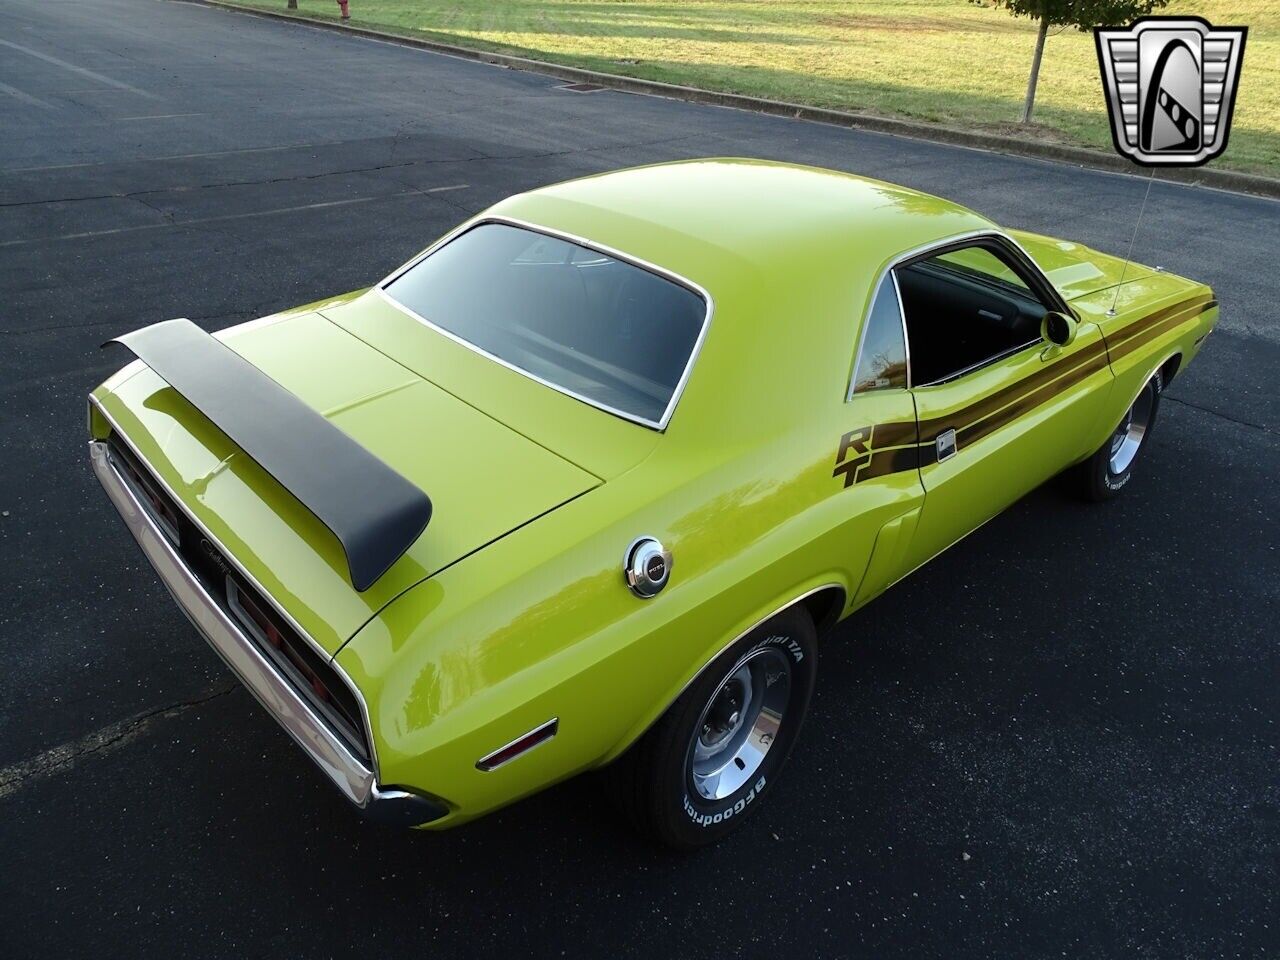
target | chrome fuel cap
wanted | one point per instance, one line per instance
(647, 566)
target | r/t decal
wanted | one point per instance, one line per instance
(856, 447)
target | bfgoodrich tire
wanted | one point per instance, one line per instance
(714, 755)
(1109, 470)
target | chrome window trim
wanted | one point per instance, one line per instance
(1000, 237)
(330, 658)
(697, 289)
(974, 367)
(902, 320)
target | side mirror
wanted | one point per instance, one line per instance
(1058, 328)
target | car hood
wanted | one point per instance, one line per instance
(1076, 270)
(484, 478)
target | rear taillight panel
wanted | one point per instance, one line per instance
(305, 667)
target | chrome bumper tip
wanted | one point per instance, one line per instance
(400, 808)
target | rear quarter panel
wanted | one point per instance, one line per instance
(542, 625)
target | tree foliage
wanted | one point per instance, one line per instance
(1083, 14)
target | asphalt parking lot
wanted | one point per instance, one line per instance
(1060, 739)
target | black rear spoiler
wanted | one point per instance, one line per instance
(375, 513)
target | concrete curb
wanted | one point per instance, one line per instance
(1194, 176)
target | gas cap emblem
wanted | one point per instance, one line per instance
(647, 566)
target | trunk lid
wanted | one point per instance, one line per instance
(484, 479)
(600, 443)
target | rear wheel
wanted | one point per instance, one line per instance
(710, 759)
(1108, 471)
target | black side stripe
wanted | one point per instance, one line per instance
(901, 446)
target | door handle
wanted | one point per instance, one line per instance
(945, 445)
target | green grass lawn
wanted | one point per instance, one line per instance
(952, 62)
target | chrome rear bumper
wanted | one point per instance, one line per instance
(274, 691)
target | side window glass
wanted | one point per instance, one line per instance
(882, 358)
(965, 308)
(984, 265)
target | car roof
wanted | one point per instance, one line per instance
(787, 256)
(699, 218)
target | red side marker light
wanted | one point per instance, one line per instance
(538, 735)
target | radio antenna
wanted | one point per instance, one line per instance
(1129, 255)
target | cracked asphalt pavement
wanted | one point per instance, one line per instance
(1060, 738)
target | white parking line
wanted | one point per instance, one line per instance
(92, 75)
(173, 156)
(162, 116)
(230, 216)
(81, 91)
(24, 97)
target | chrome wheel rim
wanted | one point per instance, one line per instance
(1129, 435)
(739, 723)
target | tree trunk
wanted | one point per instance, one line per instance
(1035, 69)
(293, 4)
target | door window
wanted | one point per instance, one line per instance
(965, 308)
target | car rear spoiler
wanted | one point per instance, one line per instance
(375, 513)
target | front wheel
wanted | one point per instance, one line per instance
(713, 755)
(1107, 472)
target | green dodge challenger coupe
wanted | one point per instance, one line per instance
(584, 482)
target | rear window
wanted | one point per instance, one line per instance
(606, 331)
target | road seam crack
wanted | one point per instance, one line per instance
(110, 738)
(1217, 413)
